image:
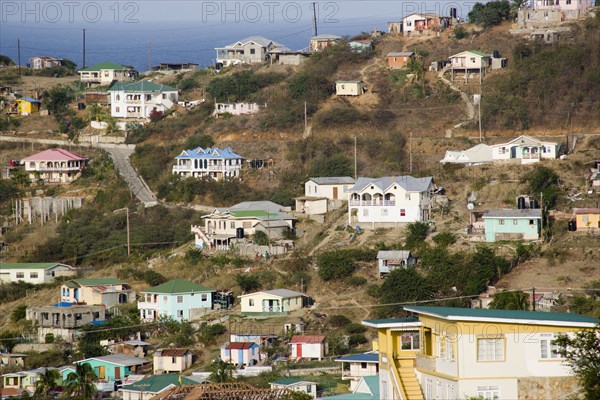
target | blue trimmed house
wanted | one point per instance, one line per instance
(216, 163)
(241, 353)
(355, 366)
(178, 299)
(512, 224)
(112, 367)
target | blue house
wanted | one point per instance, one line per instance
(216, 163)
(179, 299)
(512, 224)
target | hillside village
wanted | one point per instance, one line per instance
(410, 214)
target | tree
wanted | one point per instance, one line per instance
(46, 383)
(335, 265)
(491, 13)
(96, 112)
(6, 61)
(516, 300)
(460, 33)
(20, 178)
(248, 282)
(298, 396)
(416, 233)
(80, 384)
(221, 371)
(58, 98)
(403, 285)
(582, 354)
(196, 141)
(111, 125)
(19, 313)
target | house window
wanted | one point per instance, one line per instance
(204, 297)
(363, 365)
(584, 218)
(251, 302)
(117, 109)
(490, 349)
(407, 196)
(501, 222)
(180, 299)
(252, 51)
(118, 97)
(232, 225)
(308, 389)
(33, 275)
(384, 212)
(20, 275)
(531, 222)
(179, 313)
(149, 97)
(488, 392)
(473, 59)
(547, 348)
(515, 221)
(165, 299)
(402, 212)
(173, 360)
(410, 341)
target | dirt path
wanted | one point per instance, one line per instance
(463, 95)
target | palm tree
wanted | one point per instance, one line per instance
(80, 384)
(96, 112)
(46, 383)
(516, 300)
(111, 125)
(221, 371)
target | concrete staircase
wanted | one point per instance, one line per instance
(409, 386)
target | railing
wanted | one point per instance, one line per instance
(209, 168)
(272, 309)
(531, 156)
(147, 305)
(441, 365)
(132, 101)
(372, 203)
(58, 169)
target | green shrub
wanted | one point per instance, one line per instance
(356, 281)
(339, 321)
(416, 233)
(357, 340)
(335, 265)
(248, 282)
(444, 239)
(195, 141)
(260, 238)
(354, 328)
(49, 338)
(19, 313)
(460, 33)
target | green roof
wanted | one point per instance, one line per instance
(289, 381)
(158, 383)
(372, 383)
(104, 65)
(94, 282)
(140, 87)
(391, 320)
(29, 265)
(479, 53)
(260, 214)
(470, 313)
(178, 286)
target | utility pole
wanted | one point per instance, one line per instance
(305, 120)
(83, 48)
(355, 160)
(19, 54)
(128, 235)
(314, 7)
(480, 132)
(410, 153)
(542, 216)
(149, 63)
(533, 295)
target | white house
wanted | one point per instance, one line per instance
(355, 366)
(55, 166)
(216, 163)
(137, 100)
(36, 273)
(469, 62)
(323, 194)
(168, 361)
(236, 108)
(106, 73)
(251, 50)
(308, 347)
(388, 201)
(178, 299)
(423, 22)
(276, 301)
(296, 385)
(43, 62)
(388, 260)
(526, 149)
(224, 226)
(241, 353)
(349, 88)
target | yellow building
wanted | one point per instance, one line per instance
(27, 105)
(587, 219)
(453, 353)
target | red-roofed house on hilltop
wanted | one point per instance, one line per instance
(309, 346)
(241, 353)
(55, 166)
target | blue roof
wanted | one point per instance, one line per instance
(97, 323)
(364, 357)
(63, 304)
(29, 99)
(209, 153)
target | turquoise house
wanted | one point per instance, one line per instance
(112, 367)
(512, 224)
(178, 299)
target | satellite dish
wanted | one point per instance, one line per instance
(470, 206)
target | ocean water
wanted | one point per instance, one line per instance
(153, 31)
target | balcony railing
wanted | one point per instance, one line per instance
(147, 305)
(372, 203)
(58, 169)
(133, 101)
(444, 366)
(217, 168)
(272, 309)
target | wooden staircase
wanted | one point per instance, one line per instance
(409, 385)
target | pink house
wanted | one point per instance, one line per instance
(309, 347)
(55, 166)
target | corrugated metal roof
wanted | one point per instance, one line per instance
(118, 359)
(514, 213)
(32, 265)
(209, 154)
(371, 357)
(313, 339)
(171, 352)
(399, 54)
(55, 155)
(178, 286)
(393, 254)
(408, 183)
(140, 87)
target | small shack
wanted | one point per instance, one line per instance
(27, 105)
(349, 88)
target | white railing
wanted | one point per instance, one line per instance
(148, 306)
(209, 168)
(272, 309)
(58, 169)
(372, 203)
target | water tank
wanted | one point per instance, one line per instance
(533, 203)
(453, 12)
(572, 226)
(239, 233)
(496, 54)
(521, 203)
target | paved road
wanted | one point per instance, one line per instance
(136, 183)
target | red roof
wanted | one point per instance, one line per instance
(307, 339)
(239, 345)
(55, 155)
(11, 392)
(586, 210)
(174, 352)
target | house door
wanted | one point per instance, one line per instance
(335, 193)
(76, 294)
(299, 351)
(513, 152)
(117, 372)
(101, 372)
